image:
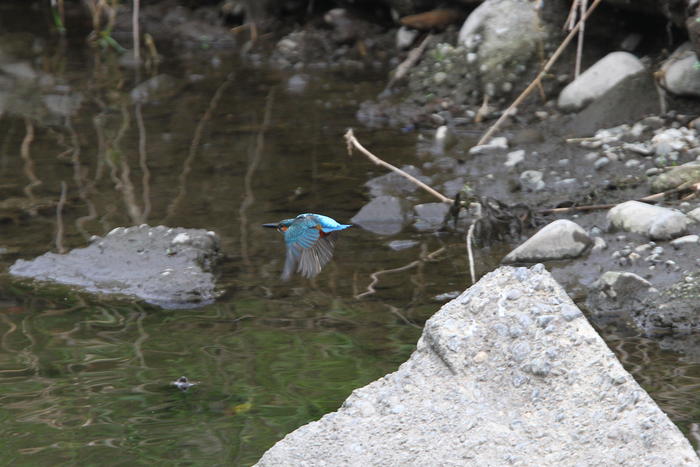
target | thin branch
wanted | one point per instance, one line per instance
(470, 235)
(413, 56)
(694, 187)
(353, 142)
(489, 133)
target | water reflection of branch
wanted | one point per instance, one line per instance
(375, 275)
(143, 163)
(194, 146)
(396, 311)
(80, 183)
(249, 197)
(59, 219)
(28, 162)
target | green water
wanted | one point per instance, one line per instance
(85, 380)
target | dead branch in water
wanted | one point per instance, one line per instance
(540, 76)
(353, 142)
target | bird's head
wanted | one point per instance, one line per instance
(281, 226)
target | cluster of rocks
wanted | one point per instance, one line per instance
(508, 373)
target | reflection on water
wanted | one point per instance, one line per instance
(220, 146)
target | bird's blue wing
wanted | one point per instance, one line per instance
(307, 250)
(301, 236)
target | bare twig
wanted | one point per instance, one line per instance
(539, 77)
(694, 188)
(470, 235)
(353, 142)
(413, 57)
(579, 47)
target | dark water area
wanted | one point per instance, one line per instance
(222, 146)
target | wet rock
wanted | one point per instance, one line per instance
(680, 74)
(487, 385)
(560, 239)
(168, 267)
(656, 222)
(297, 84)
(685, 241)
(618, 293)
(497, 144)
(430, 216)
(405, 37)
(395, 184)
(514, 158)
(695, 214)
(606, 73)
(159, 87)
(451, 187)
(531, 180)
(384, 215)
(444, 139)
(676, 176)
(398, 245)
(675, 309)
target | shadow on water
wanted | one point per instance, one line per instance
(218, 145)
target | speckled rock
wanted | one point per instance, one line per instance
(169, 267)
(560, 239)
(656, 222)
(508, 373)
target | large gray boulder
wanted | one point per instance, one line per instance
(504, 36)
(169, 267)
(605, 74)
(508, 373)
(560, 239)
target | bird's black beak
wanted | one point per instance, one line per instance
(270, 226)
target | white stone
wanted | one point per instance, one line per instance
(656, 222)
(557, 240)
(680, 73)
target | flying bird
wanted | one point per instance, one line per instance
(310, 239)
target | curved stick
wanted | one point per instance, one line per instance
(353, 142)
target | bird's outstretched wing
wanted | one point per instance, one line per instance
(308, 249)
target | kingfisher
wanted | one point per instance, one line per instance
(310, 239)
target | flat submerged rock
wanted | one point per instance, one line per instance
(508, 373)
(168, 267)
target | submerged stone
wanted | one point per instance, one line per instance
(169, 267)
